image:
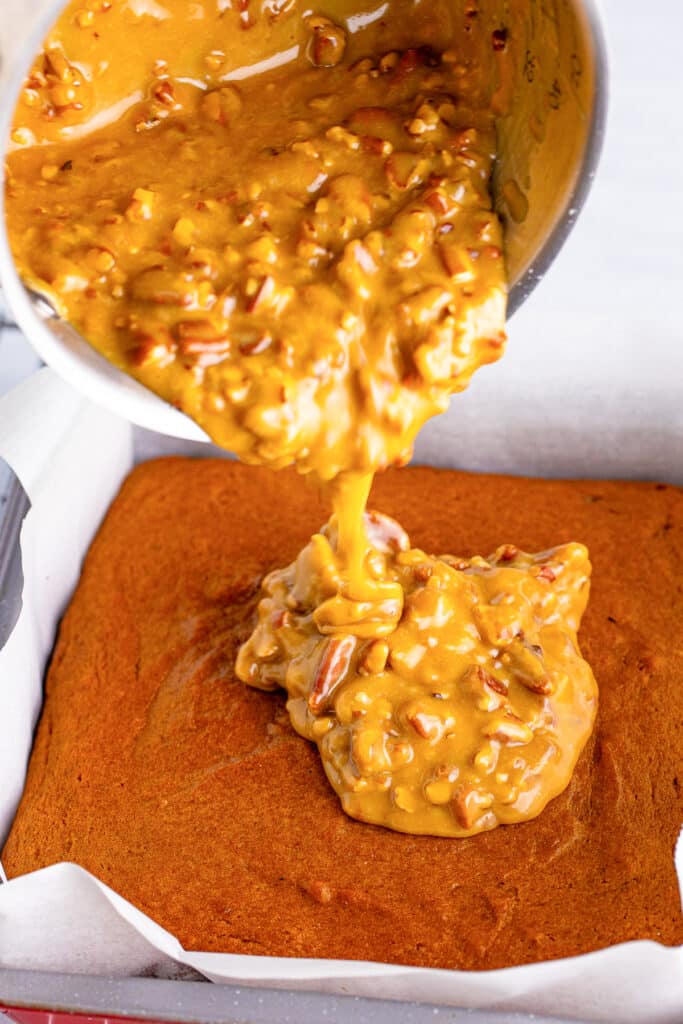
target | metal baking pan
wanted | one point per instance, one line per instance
(13, 507)
(204, 1003)
(56, 996)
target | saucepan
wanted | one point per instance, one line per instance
(550, 139)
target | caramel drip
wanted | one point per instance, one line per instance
(350, 492)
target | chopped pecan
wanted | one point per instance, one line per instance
(369, 750)
(152, 347)
(405, 169)
(263, 293)
(372, 144)
(456, 261)
(429, 727)
(468, 803)
(497, 685)
(257, 345)
(164, 93)
(438, 202)
(375, 656)
(328, 42)
(282, 619)
(385, 534)
(333, 666)
(421, 573)
(526, 661)
(508, 728)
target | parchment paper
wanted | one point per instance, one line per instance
(71, 458)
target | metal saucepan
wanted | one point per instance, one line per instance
(549, 146)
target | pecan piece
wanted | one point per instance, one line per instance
(201, 338)
(375, 657)
(155, 346)
(506, 553)
(385, 534)
(526, 661)
(327, 44)
(405, 169)
(374, 145)
(262, 295)
(497, 685)
(164, 288)
(267, 296)
(468, 803)
(333, 667)
(487, 692)
(457, 262)
(429, 727)
(282, 619)
(544, 687)
(438, 202)
(509, 728)
(257, 345)
(164, 93)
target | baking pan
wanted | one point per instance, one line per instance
(56, 995)
(204, 1003)
(13, 507)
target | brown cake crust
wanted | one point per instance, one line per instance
(189, 793)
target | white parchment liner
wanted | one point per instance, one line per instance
(71, 458)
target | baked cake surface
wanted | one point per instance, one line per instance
(190, 794)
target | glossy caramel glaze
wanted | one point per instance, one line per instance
(458, 703)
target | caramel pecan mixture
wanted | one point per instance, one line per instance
(462, 706)
(306, 262)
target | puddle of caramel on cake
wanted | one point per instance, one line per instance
(453, 701)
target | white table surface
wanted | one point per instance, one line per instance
(602, 336)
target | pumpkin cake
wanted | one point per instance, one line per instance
(189, 792)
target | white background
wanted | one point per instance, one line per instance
(602, 336)
(595, 358)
